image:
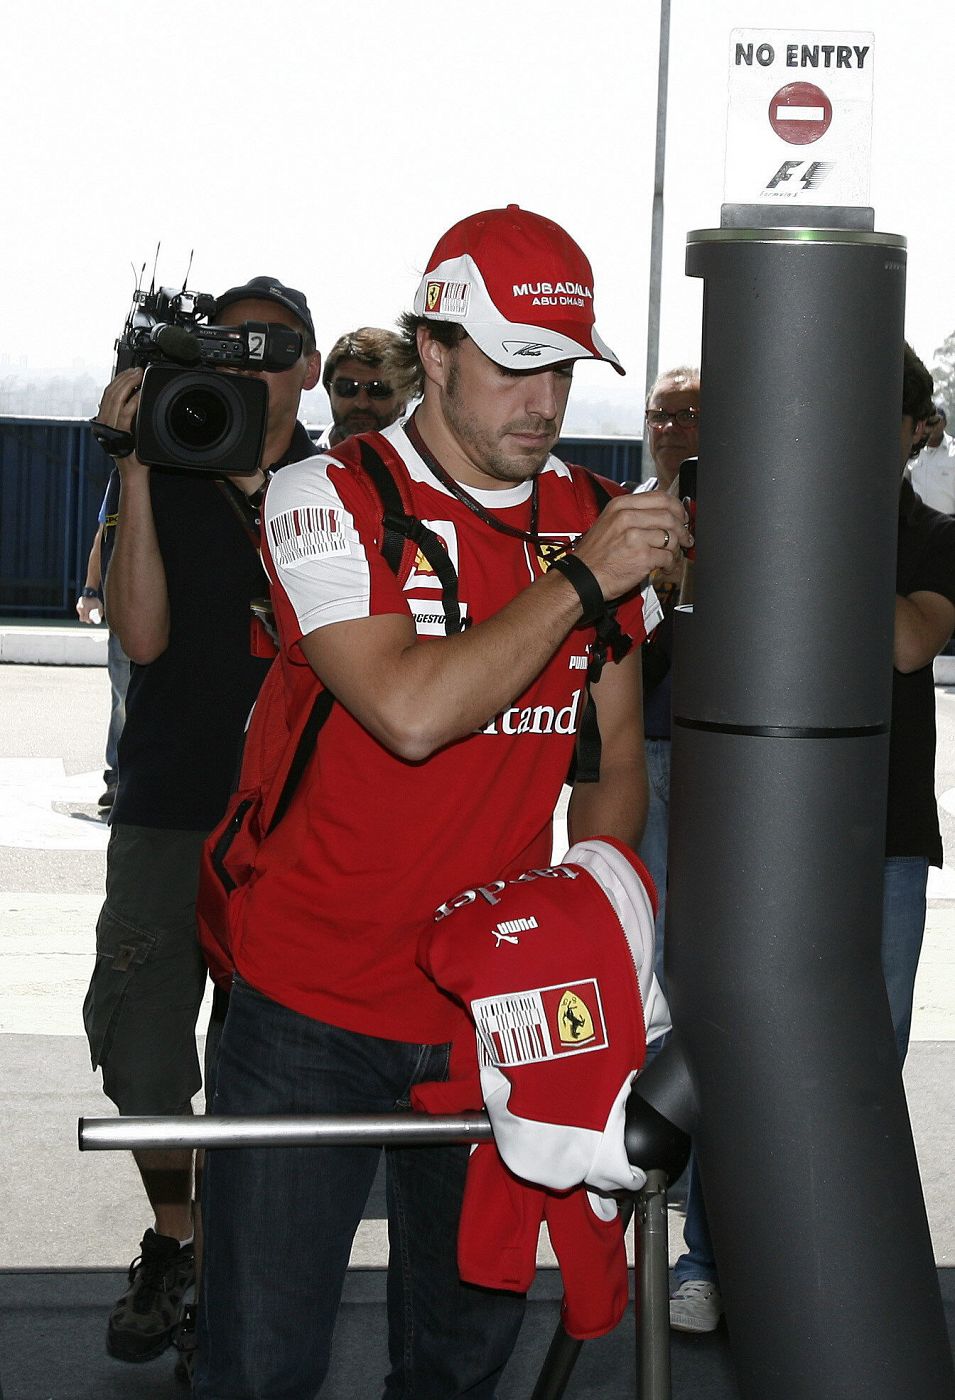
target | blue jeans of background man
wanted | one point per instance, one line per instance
(279, 1223)
(653, 848)
(903, 925)
(698, 1262)
(904, 883)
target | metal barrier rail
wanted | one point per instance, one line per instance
(410, 1129)
(283, 1130)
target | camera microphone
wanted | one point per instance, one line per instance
(177, 343)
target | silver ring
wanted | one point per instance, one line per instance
(666, 539)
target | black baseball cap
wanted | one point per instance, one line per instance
(270, 289)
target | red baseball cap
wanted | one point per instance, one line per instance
(519, 285)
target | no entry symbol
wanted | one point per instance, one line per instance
(800, 113)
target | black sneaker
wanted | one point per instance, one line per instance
(147, 1316)
(186, 1345)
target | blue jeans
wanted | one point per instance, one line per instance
(698, 1262)
(279, 1223)
(903, 925)
(653, 848)
(904, 884)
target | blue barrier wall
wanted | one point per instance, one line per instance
(618, 458)
(52, 479)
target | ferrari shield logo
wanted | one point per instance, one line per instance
(575, 1024)
(540, 1023)
(433, 294)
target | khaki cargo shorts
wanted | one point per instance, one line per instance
(143, 1001)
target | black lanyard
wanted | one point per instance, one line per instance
(247, 508)
(458, 492)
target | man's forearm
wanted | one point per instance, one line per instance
(923, 624)
(137, 601)
(94, 573)
(417, 696)
(615, 806)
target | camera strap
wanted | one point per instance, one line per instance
(246, 509)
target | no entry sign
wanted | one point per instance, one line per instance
(800, 113)
(799, 125)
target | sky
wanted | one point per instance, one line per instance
(331, 144)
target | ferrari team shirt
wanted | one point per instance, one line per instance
(372, 843)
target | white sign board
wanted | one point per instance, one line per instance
(799, 125)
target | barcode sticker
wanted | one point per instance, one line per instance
(542, 1023)
(309, 532)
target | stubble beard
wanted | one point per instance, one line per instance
(360, 421)
(485, 449)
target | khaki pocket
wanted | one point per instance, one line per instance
(120, 950)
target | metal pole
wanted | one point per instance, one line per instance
(283, 1130)
(558, 1366)
(656, 218)
(652, 1277)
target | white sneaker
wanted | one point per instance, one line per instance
(696, 1306)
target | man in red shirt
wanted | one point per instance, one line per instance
(456, 709)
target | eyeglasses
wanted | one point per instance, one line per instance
(351, 388)
(683, 417)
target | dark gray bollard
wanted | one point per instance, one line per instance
(781, 710)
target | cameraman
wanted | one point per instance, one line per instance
(182, 567)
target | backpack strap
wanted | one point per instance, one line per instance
(321, 709)
(400, 526)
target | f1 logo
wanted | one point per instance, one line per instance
(814, 173)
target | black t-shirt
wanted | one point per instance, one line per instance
(186, 711)
(926, 563)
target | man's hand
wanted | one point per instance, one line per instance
(633, 536)
(117, 409)
(89, 610)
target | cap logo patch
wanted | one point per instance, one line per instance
(447, 298)
(553, 293)
(543, 1023)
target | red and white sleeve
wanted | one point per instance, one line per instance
(319, 550)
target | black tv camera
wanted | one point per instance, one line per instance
(190, 414)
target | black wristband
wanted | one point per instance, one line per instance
(113, 441)
(90, 592)
(584, 585)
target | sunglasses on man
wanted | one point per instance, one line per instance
(350, 388)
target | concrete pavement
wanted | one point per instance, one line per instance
(71, 1210)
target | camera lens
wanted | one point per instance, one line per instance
(198, 418)
(201, 420)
